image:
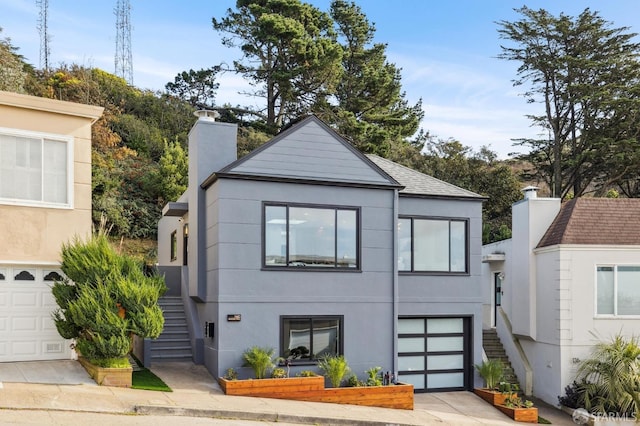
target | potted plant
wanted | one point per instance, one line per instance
(519, 410)
(105, 299)
(492, 373)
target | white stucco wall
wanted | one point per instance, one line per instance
(530, 220)
(566, 321)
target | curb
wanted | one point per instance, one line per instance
(252, 416)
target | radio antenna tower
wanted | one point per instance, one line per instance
(43, 29)
(124, 64)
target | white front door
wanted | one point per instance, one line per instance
(27, 330)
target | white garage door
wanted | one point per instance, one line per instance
(27, 332)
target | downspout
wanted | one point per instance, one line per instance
(394, 279)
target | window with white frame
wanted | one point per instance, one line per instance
(432, 245)
(618, 290)
(35, 168)
(306, 236)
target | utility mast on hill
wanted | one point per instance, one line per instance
(43, 29)
(123, 61)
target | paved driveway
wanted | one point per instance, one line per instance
(66, 372)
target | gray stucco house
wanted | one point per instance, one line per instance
(308, 246)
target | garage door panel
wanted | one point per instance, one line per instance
(445, 380)
(27, 330)
(445, 362)
(24, 324)
(24, 299)
(417, 380)
(24, 348)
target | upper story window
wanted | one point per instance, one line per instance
(618, 290)
(301, 236)
(35, 169)
(432, 245)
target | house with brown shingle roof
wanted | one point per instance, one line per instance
(568, 278)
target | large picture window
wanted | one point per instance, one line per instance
(432, 245)
(310, 237)
(309, 338)
(35, 169)
(618, 290)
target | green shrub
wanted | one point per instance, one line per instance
(335, 368)
(279, 373)
(373, 379)
(610, 377)
(101, 281)
(259, 359)
(306, 373)
(354, 382)
(231, 374)
(491, 371)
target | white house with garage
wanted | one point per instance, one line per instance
(45, 200)
(310, 247)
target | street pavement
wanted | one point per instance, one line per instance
(59, 389)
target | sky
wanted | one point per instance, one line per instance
(446, 49)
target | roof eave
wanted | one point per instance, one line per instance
(263, 178)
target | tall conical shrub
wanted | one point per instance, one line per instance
(101, 285)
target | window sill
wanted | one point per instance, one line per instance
(616, 317)
(448, 274)
(36, 204)
(309, 269)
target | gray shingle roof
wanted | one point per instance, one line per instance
(416, 183)
(610, 221)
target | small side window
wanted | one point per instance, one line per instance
(174, 246)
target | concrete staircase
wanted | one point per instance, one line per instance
(174, 344)
(494, 350)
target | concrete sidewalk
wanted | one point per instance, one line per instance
(196, 394)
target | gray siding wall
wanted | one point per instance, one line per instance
(311, 152)
(456, 295)
(237, 285)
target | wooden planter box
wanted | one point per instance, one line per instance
(527, 415)
(118, 377)
(282, 388)
(493, 397)
(312, 389)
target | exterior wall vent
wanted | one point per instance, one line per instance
(54, 347)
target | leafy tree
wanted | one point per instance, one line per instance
(290, 54)
(479, 172)
(171, 177)
(371, 107)
(197, 88)
(107, 299)
(585, 73)
(12, 68)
